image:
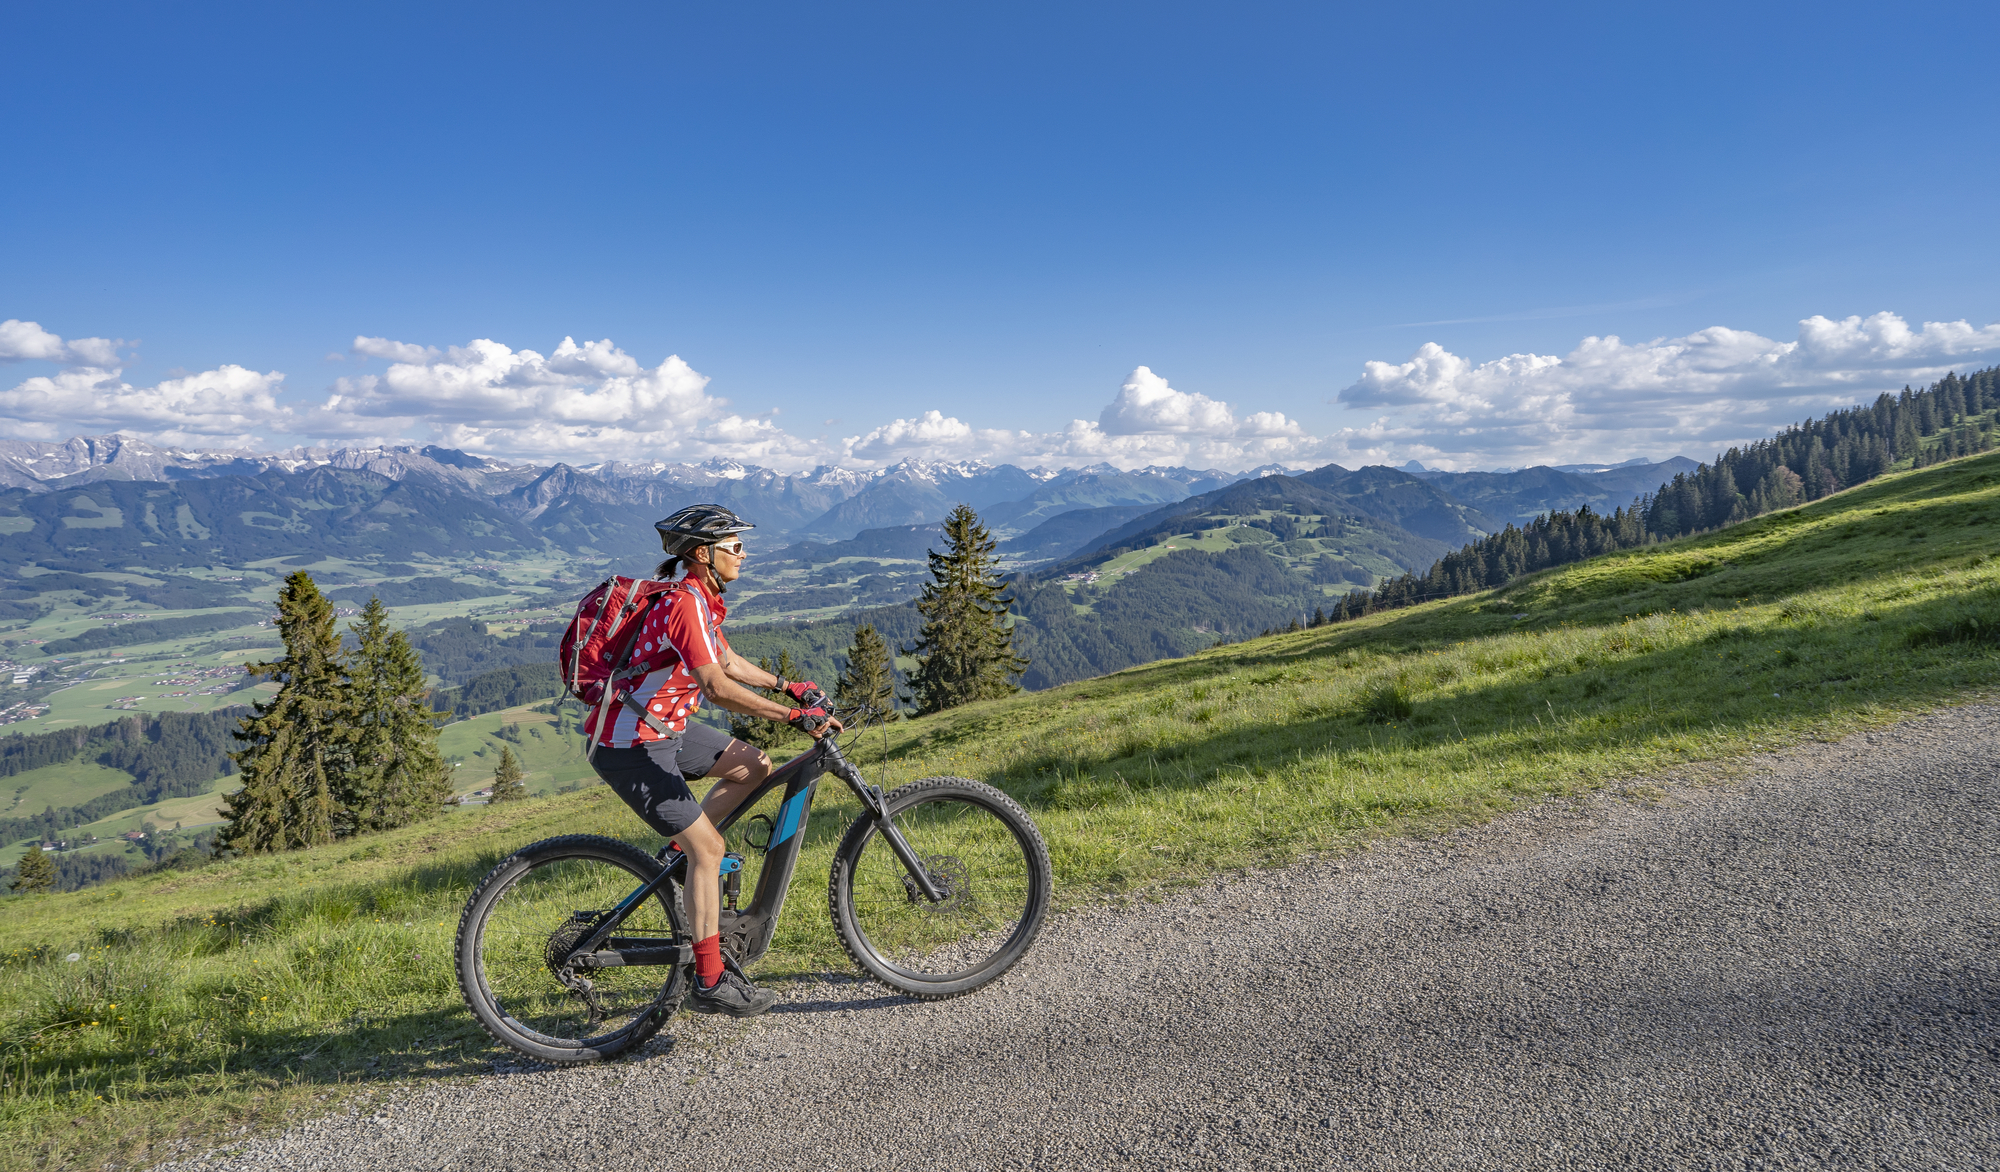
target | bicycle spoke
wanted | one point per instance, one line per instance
(983, 870)
(534, 926)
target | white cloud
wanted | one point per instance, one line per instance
(1146, 405)
(934, 436)
(227, 407)
(590, 401)
(584, 402)
(1146, 422)
(22, 341)
(393, 351)
(1607, 398)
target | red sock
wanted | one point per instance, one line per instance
(708, 960)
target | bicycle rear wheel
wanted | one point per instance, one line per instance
(983, 851)
(527, 915)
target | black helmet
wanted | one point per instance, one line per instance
(698, 525)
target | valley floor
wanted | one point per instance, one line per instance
(1792, 965)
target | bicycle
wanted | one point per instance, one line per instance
(936, 890)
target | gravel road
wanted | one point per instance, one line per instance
(1795, 968)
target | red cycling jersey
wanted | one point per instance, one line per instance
(683, 631)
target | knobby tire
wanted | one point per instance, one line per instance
(978, 843)
(600, 860)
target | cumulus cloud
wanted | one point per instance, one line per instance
(23, 341)
(1607, 397)
(1146, 405)
(588, 401)
(1146, 422)
(226, 407)
(393, 351)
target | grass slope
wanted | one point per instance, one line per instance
(549, 752)
(249, 991)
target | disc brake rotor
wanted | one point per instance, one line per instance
(951, 877)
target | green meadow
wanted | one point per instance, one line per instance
(256, 990)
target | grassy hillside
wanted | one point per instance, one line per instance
(252, 989)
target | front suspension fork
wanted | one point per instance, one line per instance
(878, 806)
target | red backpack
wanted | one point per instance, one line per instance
(598, 644)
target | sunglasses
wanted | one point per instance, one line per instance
(733, 548)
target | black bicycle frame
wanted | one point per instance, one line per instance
(748, 932)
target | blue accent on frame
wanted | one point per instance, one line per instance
(788, 818)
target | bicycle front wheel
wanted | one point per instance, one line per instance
(981, 849)
(527, 916)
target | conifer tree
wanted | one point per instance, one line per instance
(965, 651)
(870, 678)
(507, 783)
(398, 776)
(298, 745)
(37, 871)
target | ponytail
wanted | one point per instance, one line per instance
(665, 571)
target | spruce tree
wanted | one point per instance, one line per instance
(507, 783)
(965, 651)
(298, 745)
(398, 776)
(870, 678)
(37, 871)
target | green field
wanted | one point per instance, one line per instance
(70, 784)
(552, 758)
(91, 687)
(249, 991)
(203, 671)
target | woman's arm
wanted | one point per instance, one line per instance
(725, 692)
(745, 672)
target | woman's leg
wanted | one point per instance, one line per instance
(704, 847)
(740, 769)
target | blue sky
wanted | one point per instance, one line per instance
(951, 232)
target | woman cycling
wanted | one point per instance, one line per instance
(686, 658)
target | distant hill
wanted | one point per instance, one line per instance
(1103, 486)
(1065, 533)
(913, 542)
(1522, 495)
(1427, 521)
(234, 520)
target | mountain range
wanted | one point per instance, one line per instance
(92, 500)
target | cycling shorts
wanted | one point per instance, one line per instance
(652, 777)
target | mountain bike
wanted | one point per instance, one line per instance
(576, 948)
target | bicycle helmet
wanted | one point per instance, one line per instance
(698, 525)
